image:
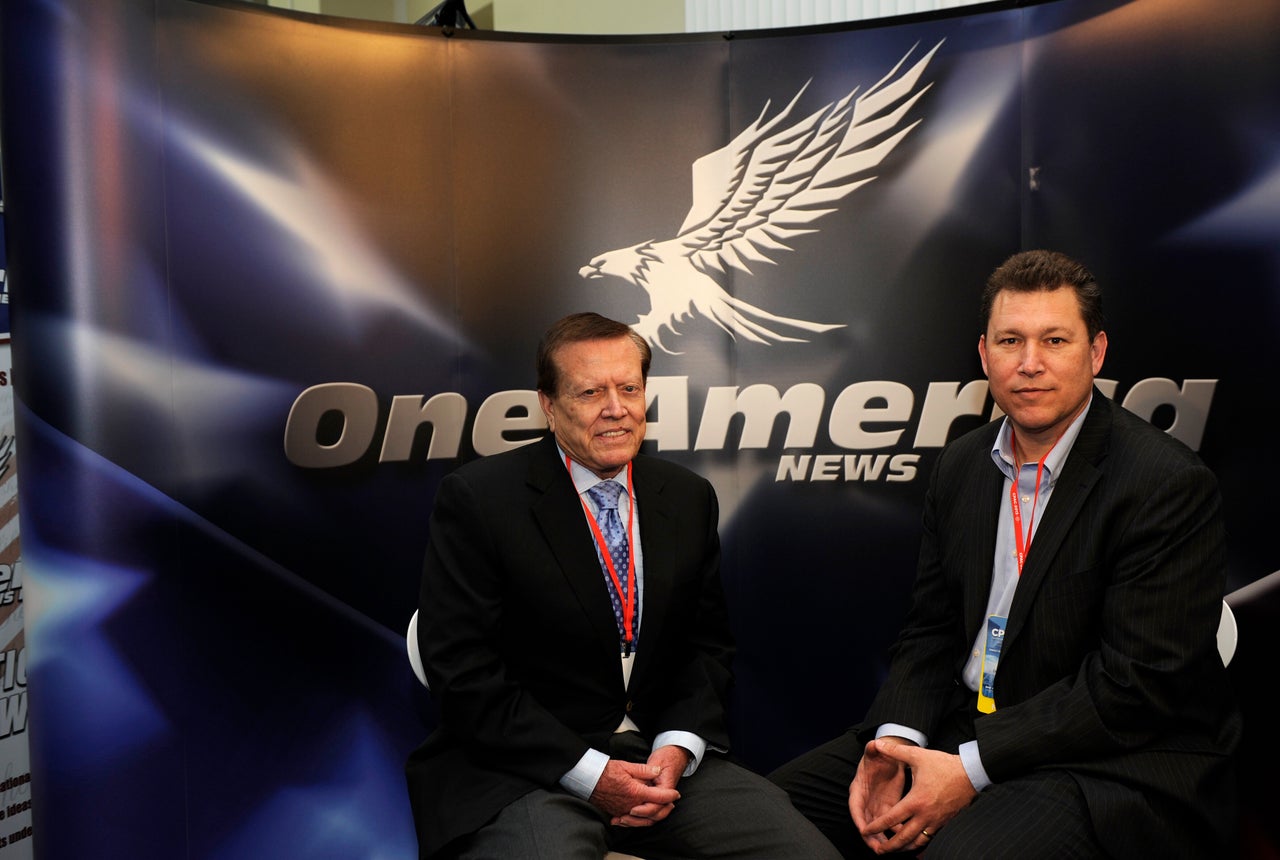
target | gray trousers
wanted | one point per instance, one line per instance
(725, 811)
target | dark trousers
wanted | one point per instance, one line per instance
(725, 811)
(1042, 815)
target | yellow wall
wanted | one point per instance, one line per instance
(588, 16)
(518, 16)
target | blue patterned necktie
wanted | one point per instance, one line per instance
(605, 495)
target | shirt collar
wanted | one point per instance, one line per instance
(1002, 451)
(583, 478)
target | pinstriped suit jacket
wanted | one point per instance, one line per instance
(1109, 668)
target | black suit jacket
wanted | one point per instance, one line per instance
(518, 637)
(1109, 667)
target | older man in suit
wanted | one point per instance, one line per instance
(1055, 690)
(573, 628)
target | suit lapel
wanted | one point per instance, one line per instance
(987, 507)
(656, 519)
(1080, 473)
(558, 512)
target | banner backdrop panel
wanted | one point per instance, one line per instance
(311, 201)
(826, 504)
(205, 644)
(276, 274)
(1151, 127)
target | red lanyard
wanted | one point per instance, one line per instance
(1024, 546)
(627, 595)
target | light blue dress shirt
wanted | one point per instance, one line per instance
(1004, 571)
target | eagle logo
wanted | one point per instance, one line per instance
(765, 187)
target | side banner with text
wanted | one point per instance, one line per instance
(15, 767)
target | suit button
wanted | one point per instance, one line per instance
(630, 705)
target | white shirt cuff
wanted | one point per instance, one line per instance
(582, 779)
(973, 765)
(920, 739)
(696, 746)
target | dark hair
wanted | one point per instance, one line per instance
(1035, 271)
(577, 328)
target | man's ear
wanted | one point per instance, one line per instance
(545, 403)
(1098, 349)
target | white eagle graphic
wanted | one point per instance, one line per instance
(766, 186)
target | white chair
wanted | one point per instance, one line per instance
(415, 663)
(1228, 634)
(411, 643)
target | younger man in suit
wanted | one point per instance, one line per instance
(1055, 690)
(573, 628)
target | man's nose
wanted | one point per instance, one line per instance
(1032, 362)
(613, 403)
